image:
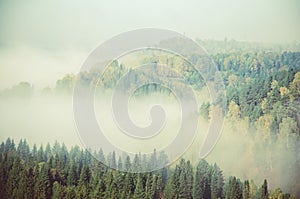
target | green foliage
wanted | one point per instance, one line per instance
(264, 190)
(201, 188)
(76, 174)
(204, 110)
(233, 188)
(246, 190)
(217, 182)
(139, 191)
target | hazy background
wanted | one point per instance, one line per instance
(40, 41)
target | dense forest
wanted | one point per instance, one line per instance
(262, 83)
(56, 172)
(261, 135)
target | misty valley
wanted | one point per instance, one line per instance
(256, 156)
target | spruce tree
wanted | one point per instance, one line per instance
(201, 188)
(14, 178)
(233, 189)
(217, 182)
(159, 187)
(264, 190)
(246, 190)
(72, 175)
(44, 182)
(139, 191)
(149, 189)
(58, 191)
(83, 184)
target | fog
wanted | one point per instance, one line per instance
(41, 41)
(57, 24)
(47, 117)
(41, 67)
(40, 119)
(242, 152)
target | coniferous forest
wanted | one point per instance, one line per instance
(258, 153)
(56, 172)
(150, 99)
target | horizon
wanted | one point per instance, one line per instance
(42, 41)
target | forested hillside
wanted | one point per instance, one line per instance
(260, 138)
(56, 172)
(264, 82)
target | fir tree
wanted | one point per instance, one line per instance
(264, 190)
(139, 191)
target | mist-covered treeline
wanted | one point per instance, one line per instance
(260, 137)
(56, 172)
(263, 102)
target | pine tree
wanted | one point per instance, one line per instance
(139, 191)
(233, 189)
(83, 184)
(159, 187)
(47, 152)
(129, 186)
(44, 182)
(217, 182)
(153, 160)
(149, 189)
(22, 188)
(246, 190)
(68, 175)
(58, 191)
(168, 191)
(72, 175)
(40, 154)
(14, 178)
(201, 188)
(100, 156)
(185, 179)
(23, 150)
(136, 165)
(34, 152)
(127, 164)
(120, 165)
(9, 146)
(264, 190)
(108, 177)
(118, 182)
(28, 184)
(113, 163)
(98, 189)
(175, 183)
(189, 179)
(3, 179)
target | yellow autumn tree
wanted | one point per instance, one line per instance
(263, 126)
(234, 112)
(295, 87)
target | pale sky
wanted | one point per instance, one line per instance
(42, 40)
